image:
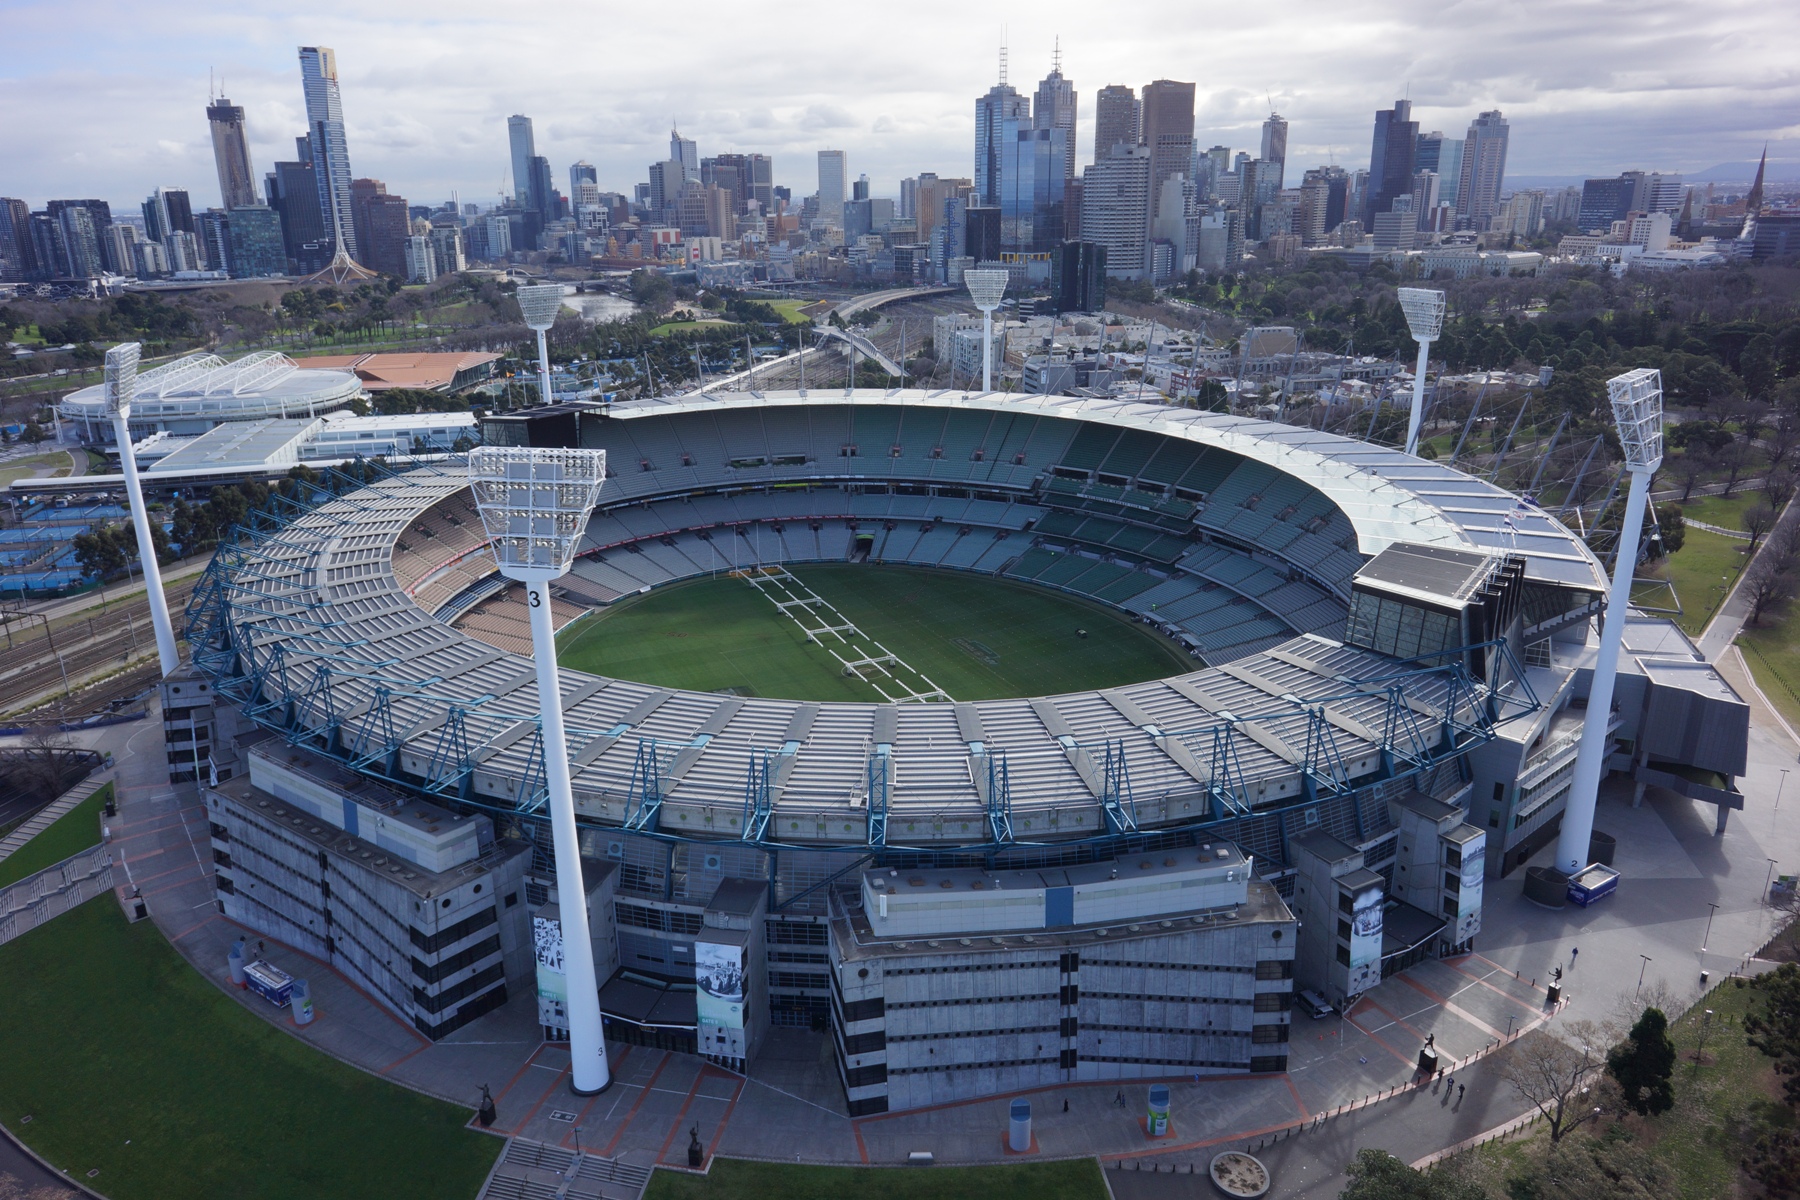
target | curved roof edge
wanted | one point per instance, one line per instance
(1388, 496)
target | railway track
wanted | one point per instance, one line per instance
(75, 651)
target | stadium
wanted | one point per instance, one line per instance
(195, 392)
(1340, 627)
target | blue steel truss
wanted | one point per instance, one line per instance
(644, 805)
(758, 802)
(1116, 804)
(1225, 774)
(1323, 767)
(880, 769)
(999, 798)
(534, 785)
(452, 763)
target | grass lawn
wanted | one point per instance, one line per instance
(38, 465)
(1772, 652)
(1726, 514)
(976, 638)
(128, 1061)
(668, 327)
(71, 833)
(1696, 570)
(791, 310)
(736, 1179)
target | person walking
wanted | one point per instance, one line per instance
(1460, 1089)
(1573, 951)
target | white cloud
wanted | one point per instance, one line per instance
(112, 93)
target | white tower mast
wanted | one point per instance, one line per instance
(121, 389)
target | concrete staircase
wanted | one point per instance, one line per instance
(531, 1170)
(57, 808)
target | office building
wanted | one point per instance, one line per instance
(1325, 199)
(1054, 107)
(421, 908)
(1078, 277)
(421, 259)
(447, 250)
(981, 233)
(166, 211)
(667, 181)
(330, 149)
(18, 255)
(213, 229)
(1483, 169)
(1033, 174)
(1604, 201)
(1116, 117)
(522, 143)
(993, 112)
(832, 177)
(1115, 209)
(80, 225)
(686, 152)
(382, 227)
(1274, 149)
(256, 248)
(1397, 227)
(582, 172)
(1391, 156)
(1168, 131)
(294, 195)
(231, 154)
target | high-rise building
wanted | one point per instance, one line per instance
(687, 153)
(421, 260)
(860, 189)
(522, 142)
(294, 196)
(1168, 135)
(1324, 196)
(1115, 209)
(580, 173)
(1274, 148)
(231, 154)
(81, 229)
(832, 170)
(1483, 168)
(18, 255)
(1604, 201)
(992, 112)
(909, 197)
(1391, 155)
(667, 180)
(1116, 118)
(213, 229)
(1054, 106)
(257, 251)
(981, 232)
(1033, 182)
(543, 193)
(166, 211)
(382, 226)
(447, 249)
(325, 137)
(1078, 277)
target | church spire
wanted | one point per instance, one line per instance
(1754, 200)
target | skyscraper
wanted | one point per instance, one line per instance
(1483, 168)
(1054, 107)
(256, 248)
(523, 144)
(1115, 209)
(686, 152)
(325, 135)
(1116, 117)
(992, 111)
(1168, 134)
(1033, 182)
(831, 186)
(1274, 149)
(295, 198)
(1391, 155)
(382, 226)
(580, 173)
(18, 255)
(231, 154)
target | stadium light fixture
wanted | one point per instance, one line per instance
(121, 390)
(540, 302)
(534, 505)
(1638, 411)
(1424, 309)
(987, 286)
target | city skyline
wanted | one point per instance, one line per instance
(426, 139)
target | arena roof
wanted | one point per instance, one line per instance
(1388, 495)
(206, 387)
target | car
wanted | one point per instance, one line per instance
(1315, 1005)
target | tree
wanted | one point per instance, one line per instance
(1770, 584)
(1378, 1175)
(1689, 467)
(1774, 1026)
(1778, 489)
(34, 433)
(1758, 520)
(101, 551)
(1556, 1077)
(1734, 460)
(1644, 1063)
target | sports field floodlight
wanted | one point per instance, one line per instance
(987, 285)
(1424, 309)
(540, 303)
(534, 505)
(1637, 409)
(121, 390)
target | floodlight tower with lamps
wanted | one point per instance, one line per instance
(534, 504)
(540, 303)
(1638, 412)
(1424, 309)
(986, 287)
(121, 389)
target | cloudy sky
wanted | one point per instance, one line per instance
(106, 99)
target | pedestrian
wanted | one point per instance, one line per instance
(1460, 1089)
(1065, 1104)
(1573, 951)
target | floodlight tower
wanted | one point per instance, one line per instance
(1637, 411)
(534, 505)
(986, 287)
(540, 303)
(1424, 309)
(121, 389)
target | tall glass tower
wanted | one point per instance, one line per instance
(524, 148)
(330, 152)
(231, 154)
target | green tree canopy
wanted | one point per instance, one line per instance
(1644, 1063)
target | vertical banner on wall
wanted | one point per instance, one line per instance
(552, 981)
(719, 976)
(1365, 940)
(1468, 897)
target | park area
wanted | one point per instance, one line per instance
(975, 637)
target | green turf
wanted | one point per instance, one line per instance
(128, 1061)
(74, 831)
(976, 637)
(736, 1179)
(1702, 570)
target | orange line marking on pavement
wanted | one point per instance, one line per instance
(632, 1114)
(404, 1057)
(1395, 1018)
(554, 1083)
(1524, 1004)
(581, 1117)
(1517, 978)
(1455, 1009)
(516, 1074)
(862, 1151)
(191, 928)
(1374, 1037)
(713, 1146)
(681, 1113)
(1298, 1102)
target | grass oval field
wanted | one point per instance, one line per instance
(975, 637)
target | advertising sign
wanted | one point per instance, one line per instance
(552, 982)
(719, 976)
(1365, 941)
(1468, 898)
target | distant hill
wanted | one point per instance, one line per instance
(1744, 172)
